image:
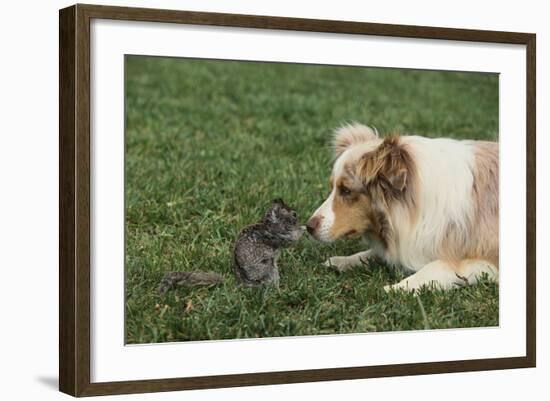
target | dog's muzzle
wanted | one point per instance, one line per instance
(313, 224)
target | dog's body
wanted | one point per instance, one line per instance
(429, 205)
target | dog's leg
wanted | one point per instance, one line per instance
(343, 263)
(438, 273)
(470, 270)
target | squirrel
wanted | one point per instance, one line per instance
(258, 246)
(255, 252)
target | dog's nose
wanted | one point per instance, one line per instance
(313, 223)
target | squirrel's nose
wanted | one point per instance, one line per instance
(313, 223)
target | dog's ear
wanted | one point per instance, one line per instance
(396, 180)
(390, 166)
(350, 134)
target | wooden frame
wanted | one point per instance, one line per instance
(74, 200)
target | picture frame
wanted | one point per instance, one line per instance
(76, 201)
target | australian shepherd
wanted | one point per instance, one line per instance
(429, 205)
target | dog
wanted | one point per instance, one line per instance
(429, 205)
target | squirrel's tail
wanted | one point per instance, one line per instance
(190, 279)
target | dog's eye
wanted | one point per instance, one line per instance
(345, 191)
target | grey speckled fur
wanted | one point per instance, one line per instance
(257, 246)
(190, 279)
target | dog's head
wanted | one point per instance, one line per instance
(369, 174)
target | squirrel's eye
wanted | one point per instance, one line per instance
(345, 191)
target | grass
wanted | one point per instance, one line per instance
(210, 143)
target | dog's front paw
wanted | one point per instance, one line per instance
(401, 286)
(338, 263)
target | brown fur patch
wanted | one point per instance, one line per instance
(485, 193)
(389, 171)
(382, 229)
(479, 239)
(351, 215)
(389, 164)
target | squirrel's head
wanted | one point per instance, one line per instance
(280, 214)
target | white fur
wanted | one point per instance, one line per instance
(444, 168)
(343, 263)
(357, 131)
(437, 273)
(443, 275)
(325, 211)
(327, 218)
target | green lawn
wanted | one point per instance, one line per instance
(210, 143)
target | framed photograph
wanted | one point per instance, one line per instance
(250, 200)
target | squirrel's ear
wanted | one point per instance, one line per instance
(273, 210)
